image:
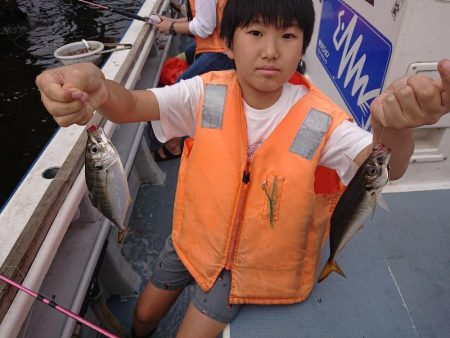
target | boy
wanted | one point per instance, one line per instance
(251, 209)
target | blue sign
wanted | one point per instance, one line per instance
(355, 55)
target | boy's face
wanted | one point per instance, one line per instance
(265, 58)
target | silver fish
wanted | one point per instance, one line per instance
(356, 203)
(105, 178)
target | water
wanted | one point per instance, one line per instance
(25, 126)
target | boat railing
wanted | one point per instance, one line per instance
(37, 217)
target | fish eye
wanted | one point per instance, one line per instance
(94, 149)
(371, 170)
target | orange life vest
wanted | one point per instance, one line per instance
(266, 220)
(212, 43)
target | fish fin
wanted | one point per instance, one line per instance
(347, 239)
(329, 267)
(122, 232)
(373, 202)
(382, 202)
(377, 198)
(93, 200)
(121, 235)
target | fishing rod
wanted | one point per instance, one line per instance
(116, 10)
(57, 307)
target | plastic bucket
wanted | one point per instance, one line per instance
(76, 52)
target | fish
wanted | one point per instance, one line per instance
(106, 180)
(357, 202)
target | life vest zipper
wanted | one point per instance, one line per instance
(237, 222)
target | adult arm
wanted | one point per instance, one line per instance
(202, 25)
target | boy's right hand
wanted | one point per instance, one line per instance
(72, 93)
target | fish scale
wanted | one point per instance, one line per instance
(105, 178)
(356, 203)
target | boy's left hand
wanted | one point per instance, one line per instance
(413, 101)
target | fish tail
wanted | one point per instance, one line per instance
(121, 235)
(328, 268)
(122, 232)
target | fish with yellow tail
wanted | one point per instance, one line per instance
(356, 203)
(105, 178)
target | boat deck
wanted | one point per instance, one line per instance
(152, 220)
(397, 270)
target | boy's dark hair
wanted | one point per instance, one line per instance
(280, 13)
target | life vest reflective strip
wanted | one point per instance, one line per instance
(212, 43)
(267, 227)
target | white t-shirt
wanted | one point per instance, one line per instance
(204, 21)
(178, 118)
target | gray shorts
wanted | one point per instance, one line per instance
(169, 273)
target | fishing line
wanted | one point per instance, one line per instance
(18, 36)
(52, 304)
(116, 10)
(381, 134)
